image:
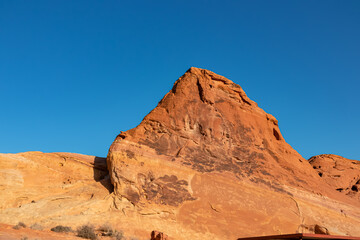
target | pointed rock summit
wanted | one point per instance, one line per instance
(209, 162)
(207, 123)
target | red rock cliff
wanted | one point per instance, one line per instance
(208, 161)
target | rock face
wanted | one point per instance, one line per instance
(208, 163)
(340, 173)
(50, 189)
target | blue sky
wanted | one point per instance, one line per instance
(73, 74)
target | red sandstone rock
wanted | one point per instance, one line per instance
(207, 123)
(209, 162)
(155, 235)
(340, 173)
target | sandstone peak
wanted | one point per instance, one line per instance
(208, 122)
(208, 163)
(207, 82)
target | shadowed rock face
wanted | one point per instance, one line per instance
(340, 173)
(208, 156)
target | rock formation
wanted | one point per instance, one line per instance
(340, 173)
(155, 235)
(49, 188)
(207, 162)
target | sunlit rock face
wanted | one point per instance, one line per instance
(208, 163)
(340, 173)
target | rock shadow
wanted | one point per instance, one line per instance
(101, 173)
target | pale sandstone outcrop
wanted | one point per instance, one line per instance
(48, 188)
(53, 189)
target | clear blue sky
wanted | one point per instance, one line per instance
(73, 74)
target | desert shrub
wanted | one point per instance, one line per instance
(36, 226)
(107, 230)
(61, 228)
(86, 231)
(19, 225)
(117, 235)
